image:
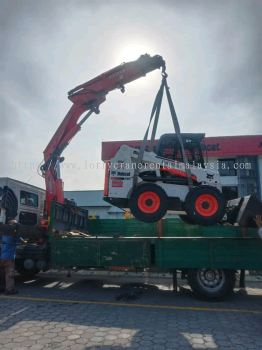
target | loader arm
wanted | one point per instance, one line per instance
(87, 97)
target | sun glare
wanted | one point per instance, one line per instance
(132, 51)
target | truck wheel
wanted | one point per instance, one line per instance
(204, 205)
(26, 273)
(148, 203)
(211, 284)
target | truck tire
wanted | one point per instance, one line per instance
(148, 203)
(205, 205)
(211, 284)
(26, 273)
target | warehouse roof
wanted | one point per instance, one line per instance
(87, 198)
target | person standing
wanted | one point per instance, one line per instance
(2, 273)
(258, 221)
(7, 261)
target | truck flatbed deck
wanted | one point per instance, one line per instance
(208, 256)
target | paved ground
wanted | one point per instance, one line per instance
(55, 312)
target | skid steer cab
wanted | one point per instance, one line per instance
(160, 181)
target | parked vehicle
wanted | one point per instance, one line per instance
(21, 201)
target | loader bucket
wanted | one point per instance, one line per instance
(242, 211)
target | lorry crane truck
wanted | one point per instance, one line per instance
(208, 256)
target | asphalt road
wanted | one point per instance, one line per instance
(81, 312)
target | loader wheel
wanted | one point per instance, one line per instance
(205, 205)
(187, 219)
(148, 203)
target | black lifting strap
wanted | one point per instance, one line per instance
(155, 115)
(178, 133)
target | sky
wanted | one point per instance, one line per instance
(213, 52)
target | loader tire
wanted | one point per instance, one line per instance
(187, 219)
(148, 203)
(204, 205)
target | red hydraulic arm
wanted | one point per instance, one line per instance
(87, 98)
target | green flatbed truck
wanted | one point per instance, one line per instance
(207, 256)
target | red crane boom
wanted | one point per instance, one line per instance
(87, 97)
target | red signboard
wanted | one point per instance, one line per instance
(217, 146)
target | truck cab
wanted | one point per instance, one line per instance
(20, 201)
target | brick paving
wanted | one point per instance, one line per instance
(74, 325)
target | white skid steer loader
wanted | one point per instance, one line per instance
(159, 182)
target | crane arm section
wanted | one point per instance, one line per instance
(87, 97)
